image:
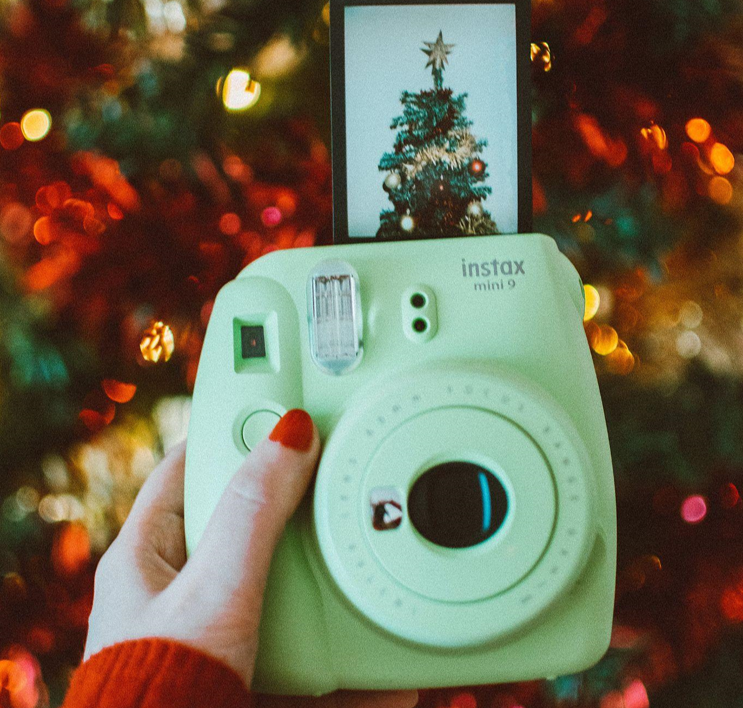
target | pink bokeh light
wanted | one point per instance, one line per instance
(694, 509)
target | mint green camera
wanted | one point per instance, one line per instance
(462, 526)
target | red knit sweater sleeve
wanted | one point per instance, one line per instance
(155, 673)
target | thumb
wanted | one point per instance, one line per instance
(234, 555)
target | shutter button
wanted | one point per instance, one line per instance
(258, 426)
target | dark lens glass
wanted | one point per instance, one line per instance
(420, 325)
(457, 504)
(418, 301)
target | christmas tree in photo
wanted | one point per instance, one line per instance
(435, 177)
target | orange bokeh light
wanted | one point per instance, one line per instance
(603, 339)
(52, 196)
(721, 158)
(698, 130)
(621, 360)
(118, 391)
(71, 549)
(43, 231)
(230, 224)
(720, 190)
(655, 134)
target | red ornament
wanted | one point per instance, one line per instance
(477, 167)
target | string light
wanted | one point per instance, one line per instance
(36, 124)
(238, 90)
(393, 180)
(407, 223)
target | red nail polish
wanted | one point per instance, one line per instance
(294, 430)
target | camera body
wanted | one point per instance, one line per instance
(462, 526)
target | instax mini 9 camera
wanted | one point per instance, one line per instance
(462, 526)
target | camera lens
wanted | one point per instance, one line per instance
(420, 325)
(457, 504)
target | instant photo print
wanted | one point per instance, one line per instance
(431, 120)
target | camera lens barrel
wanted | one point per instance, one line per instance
(453, 506)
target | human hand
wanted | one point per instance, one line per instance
(144, 587)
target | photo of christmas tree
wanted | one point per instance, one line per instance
(435, 177)
(445, 165)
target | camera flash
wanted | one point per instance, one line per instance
(335, 317)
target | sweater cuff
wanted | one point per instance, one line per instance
(155, 673)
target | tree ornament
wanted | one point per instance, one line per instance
(407, 223)
(475, 209)
(477, 167)
(437, 53)
(158, 343)
(441, 188)
(393, 180)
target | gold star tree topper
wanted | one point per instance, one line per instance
(437, 53)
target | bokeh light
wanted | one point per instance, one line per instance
(694, 509)
(720, 190)
(11, 136)
(464, 700)
(407, 223)
(603, 339)
(636, 695)
(731, 602)
(698, 130)
(71, 548)
(541, 54)
(621, 360)
(729, 496)
(722, 158)
(118, 391)
(691, 314)
(229, 224)
(655, 134)
(271, 216)
(158, 343)
(36, 124)
(688, 344)
(238, 90)
(593, 302)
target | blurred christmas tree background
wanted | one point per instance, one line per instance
(151, 148)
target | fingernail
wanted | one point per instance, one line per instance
(294, 430)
